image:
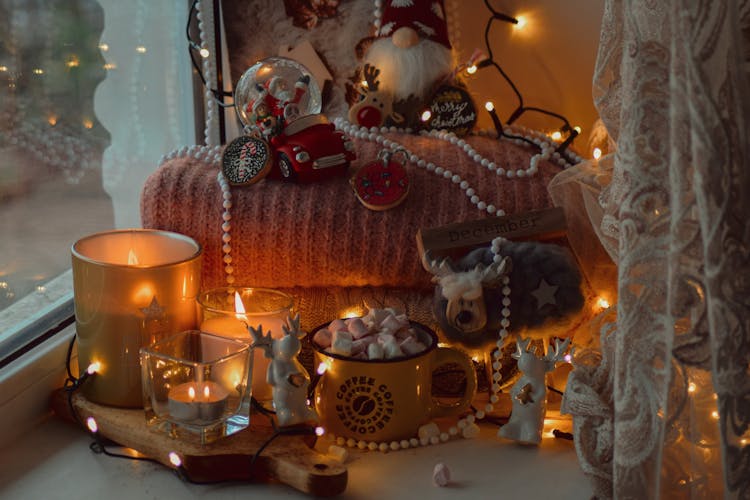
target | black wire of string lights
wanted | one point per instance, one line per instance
(100, 444)
(521, 108)
(193, 47)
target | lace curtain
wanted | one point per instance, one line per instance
(661, 403)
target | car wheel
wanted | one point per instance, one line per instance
(286, 168)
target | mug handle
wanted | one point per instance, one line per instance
(444, 356)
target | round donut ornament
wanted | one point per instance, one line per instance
(246, 160)
(382, 184)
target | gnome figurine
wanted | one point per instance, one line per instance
(411, 51)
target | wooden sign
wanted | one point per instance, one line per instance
(459, 238)
(452, 109)
(288, 459)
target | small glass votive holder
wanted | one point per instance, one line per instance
(197, 384)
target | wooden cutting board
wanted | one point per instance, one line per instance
(288, 459)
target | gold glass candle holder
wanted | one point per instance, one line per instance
(228, 312)
(197, 384)
(131, 287)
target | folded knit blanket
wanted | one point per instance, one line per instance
(319, 235)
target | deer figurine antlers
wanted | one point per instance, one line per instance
(374, 107)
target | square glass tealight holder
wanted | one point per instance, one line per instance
(197, 386)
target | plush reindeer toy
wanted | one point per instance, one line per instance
(545, 293)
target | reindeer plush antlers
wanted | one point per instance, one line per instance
(373, 107)
(466, 309)
(370, 74)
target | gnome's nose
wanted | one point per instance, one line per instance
(404, 37)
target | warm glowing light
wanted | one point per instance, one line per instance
(72, 62)
(52, 120)
(489, 106)
(319, 431)
(91, 424)
(38, 71)
(103, 47)
(577, 129)
(692, 387)
(88, 123)
(191, 392)
(144, 294)
(471, 69)
(322, 367)
(109, 66)
(426, 115)
(603, 303)
(94, 368)
(352, 312)
(549, 434)
(204, 53)
(3, 68)
(4, 285)
(568, 358)
(41, 289)
(556, 135)
(132, 258)
(175, 459)
(140, 49)
(239, 307)
(522, 22)
(206, 392)
(597, 153)
(743, 441)
(715, 415)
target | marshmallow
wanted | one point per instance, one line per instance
(342, 344)
(385, 338)
(428, 430)
(336, 325)
(441, 476)
(470, 431)
(357, 328)
(322, 338)
(411, 346)
(391, 323)
(392, 350)
(361, 345)
(341, 334)
(375, 351)
(338, 453)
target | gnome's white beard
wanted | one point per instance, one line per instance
(413, 70)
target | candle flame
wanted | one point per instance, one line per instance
(132, 258)
(191, 392)
(206, 392)
(239, 307)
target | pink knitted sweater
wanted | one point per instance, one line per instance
(319, 235)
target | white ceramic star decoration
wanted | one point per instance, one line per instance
(545, 294)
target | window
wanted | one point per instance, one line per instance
(92, 94)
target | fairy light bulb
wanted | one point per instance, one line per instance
(175, 459)
(204, 53)
(521, 24)
(471, 69)
(489, 106)
(692, 387)
(103, 47)
(556, 135)
(319, 431)
(602, 303)
(322, 368)
(94, 368)
(91, 424)
(141, 49)
(426, 115)
(596, 153)
(577, 129)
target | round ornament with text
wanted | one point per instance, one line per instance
(382, 184)
(246, 160)
(452, 109)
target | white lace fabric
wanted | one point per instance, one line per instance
(661, 404)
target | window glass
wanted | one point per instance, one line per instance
(92, 94)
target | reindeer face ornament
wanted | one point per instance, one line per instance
(374, 107)
(466, 309)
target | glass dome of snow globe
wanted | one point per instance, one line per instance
(273, 92)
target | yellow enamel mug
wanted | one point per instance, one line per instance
(386, 400)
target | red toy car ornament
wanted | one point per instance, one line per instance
(310, 149)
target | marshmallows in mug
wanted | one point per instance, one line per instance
(381, 334)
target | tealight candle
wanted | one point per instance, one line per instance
(197, 402)
(229, 311)
(131, 288)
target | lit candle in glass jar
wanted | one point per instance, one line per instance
(131, 287)
(229, 311)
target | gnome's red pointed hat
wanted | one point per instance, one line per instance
(426, 17)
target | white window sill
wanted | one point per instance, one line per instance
(45, 457)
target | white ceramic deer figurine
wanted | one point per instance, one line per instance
(529, 393)
(287, 376)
